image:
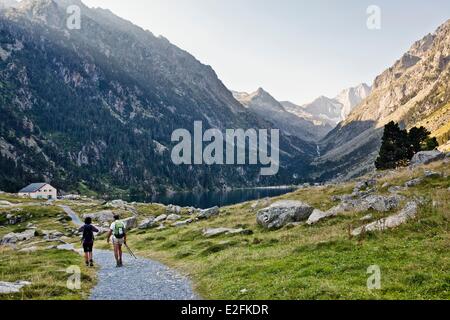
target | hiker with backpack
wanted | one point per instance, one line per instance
(88, 241)
(119, 238)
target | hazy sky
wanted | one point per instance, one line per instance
(297, 50)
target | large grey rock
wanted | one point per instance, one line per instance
(52, 234)
(130, 223)
(429, 174)
(182, 223)
(383, 203)
(171, 209)
(208, 213)
(413, 183)
(12, 287)
(12, 238)
(105, 216)
(317, 215)
(283, 212)
(426, 157)
(160, 218)
(147, 223)
(407, 213)
(5, 204)
(364, 185)
(173, 217)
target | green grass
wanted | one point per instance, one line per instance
(318, 262)
(46, 270)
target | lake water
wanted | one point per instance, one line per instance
(206, 200)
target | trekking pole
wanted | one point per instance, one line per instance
(129, 250)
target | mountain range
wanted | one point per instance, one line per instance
(94, 108)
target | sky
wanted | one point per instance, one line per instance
(297, 50)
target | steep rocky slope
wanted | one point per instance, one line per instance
(98, 106)
(267, 107)
(331, 111)
(414, 92)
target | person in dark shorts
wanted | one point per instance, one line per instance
(88, 240)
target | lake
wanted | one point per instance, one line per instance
(204, 200)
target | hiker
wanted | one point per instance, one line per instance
(88, 241)
(119, 238)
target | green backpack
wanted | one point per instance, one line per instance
(119, 230)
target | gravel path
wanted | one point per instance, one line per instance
(141, 279)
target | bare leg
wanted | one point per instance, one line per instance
(116, 252)
(120, 254)
(86, 257)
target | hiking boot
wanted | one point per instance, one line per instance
(91, 263)
(87, 263)
(120, 263)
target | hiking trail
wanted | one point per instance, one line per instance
(139, 279)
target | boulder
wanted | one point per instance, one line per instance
(283, 212)
(221, 231)
(407, 213)
(13, 219)
(5, 204)
(161, 218)
(12, 287)
(12, 238)
(413, 183)
(182, 223)
(103, 217)
(432, 174)
(426, 157)
(173, 217)
(171, 209)
(29, 249)
(383, 203)
(130, 223)
(147, 223)
(52, 235)
(208, 213)
(364, 185)
(317, 215)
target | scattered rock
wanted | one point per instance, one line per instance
(407, 213)
(161, 218)
(12, 238)
(385, 185)
(383, 203)
(173, 217)
(208, 213)
(283, 212)
(13, 219)
(426, 157)
(364, 185)
(52, 235)
(173, 209)
(366, 218)
(432, 174)
(220, 231)
(5, 204)
(413, 183)
(12, 287)
(66, 246)
(182, 223)
(130, 223)
(105, 216)
(316, 216)
(29, 249)
(147, 223)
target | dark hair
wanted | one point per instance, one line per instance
(88, 220)
(116, 217)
